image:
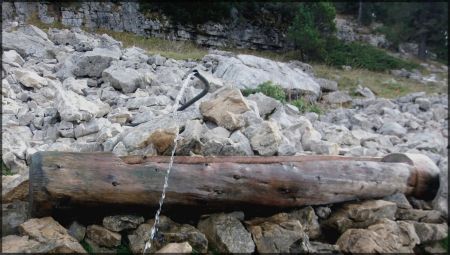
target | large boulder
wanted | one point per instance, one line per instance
(247, 71)
(27, 44)
(13, 214)
(30, 79)
(225, 108)
(386, 236)
(226, 234)
(73, 107)
(125, 79)
(93, 63)
(14, 187)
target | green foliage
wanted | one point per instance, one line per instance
(304, 106)
(190, 12)
(269, 89)
(444, 243)
(87, 247)
(5, 169)
(313, 24)
(363, 56)
(123, 249)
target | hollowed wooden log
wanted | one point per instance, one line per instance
(69, 180)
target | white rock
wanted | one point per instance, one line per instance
(30, 79)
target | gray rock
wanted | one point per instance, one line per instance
(327, 85)
(309, 221)
(226, 233)
(427, 216)
(393, 128)
(324, 148)
(118, 223)
(424, 104)
(27, 45)
(168, 232)
(264, 137)
(430, 232)
(386, 236)
(278, 234)
(361, 215)
(247, 71)
(30, 79)
(77, 230)
(365, 92)
(323, 212)
(77, 86)
(93, 63)
(399, 199)
(13, 214)
(12, 57)
(125, 79)
(266, 105)
(440, 202)
(177, 248)
(337, 97)
(103, 236)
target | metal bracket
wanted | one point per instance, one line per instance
(200, 95)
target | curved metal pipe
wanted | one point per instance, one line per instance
(200, 95)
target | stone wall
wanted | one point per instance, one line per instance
(125, 16)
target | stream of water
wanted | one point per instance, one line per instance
(154, 228)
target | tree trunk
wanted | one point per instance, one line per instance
(422, 52)
(360, 9)
(81, 180)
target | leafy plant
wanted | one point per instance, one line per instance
(269, 89)
(5, 169)
(304, 106)
(87, 247)
(444, 243)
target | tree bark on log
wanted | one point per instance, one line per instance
(70, 180)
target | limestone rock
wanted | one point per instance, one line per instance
(247, 71)
(427, 216)
(309, 221)
(30, 79)
(176, 248)
(266, 105)
(93, 63)
(99, 249)
(76, 85)
(48, 231)
(440, 202)
(225, 108)
(278, 234)
(265, 137)
(118, 223)
(324, 147)
(73, 107)
(361, 215)
(21, 244)
(365, 92)
(14, 187)
(430, 232)
(125, 79)
(77, 230)
(337, 97)
(103, 236)
(12, 57)
(168, 232)
(13, 214)
(327, 85)
(393, 128)
(384, 237)
(400, 199)
(226, 233)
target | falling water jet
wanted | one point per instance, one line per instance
(148, 244)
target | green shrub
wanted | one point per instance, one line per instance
(269, 89)
(363, 56)
(304, 106)
(5, 169)
(444, 243)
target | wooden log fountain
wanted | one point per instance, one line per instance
(71, 180)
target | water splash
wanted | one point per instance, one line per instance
(154, 228)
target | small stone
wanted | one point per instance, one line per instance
(176, 248)
(14, 187)
(400, 199)
(265, 137)
(430, 232)
(309, 221)
(337, 97)
(226, 234)
(323, 212)
(30, 79)
(118, 223)
(393, 128)
(103, 236)
(324, 148)
(77, 230)
(13, 214)
(424, 104)
(427, 216)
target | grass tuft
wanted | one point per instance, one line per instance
(305, 106)
(269, 89)
(5, 169)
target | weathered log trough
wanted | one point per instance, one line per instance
(74, 180)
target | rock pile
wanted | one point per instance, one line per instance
(67, 90)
